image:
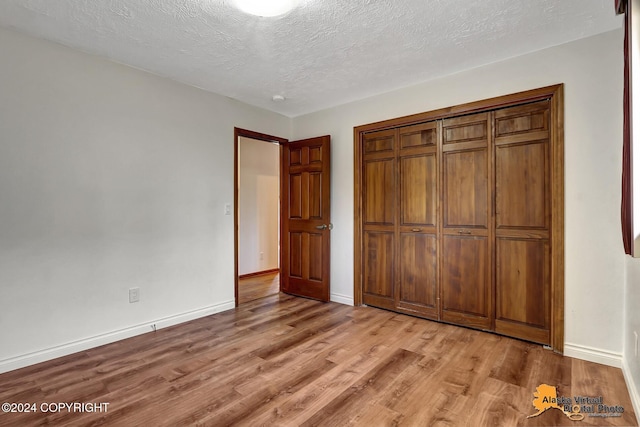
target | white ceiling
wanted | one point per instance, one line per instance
(323, 53)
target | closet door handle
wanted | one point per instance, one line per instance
(464, 232)
(416, 230)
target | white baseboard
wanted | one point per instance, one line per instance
(608, 358)
(342, 299)
(595, 355)
(631, 386)
(29, 359)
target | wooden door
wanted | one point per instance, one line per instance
(466, 248)
(379, 207)
(306, 218)
(523, 221)
(416, 288)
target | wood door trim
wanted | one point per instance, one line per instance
(358, 269)
(557, 219)
(555, 94)
(237, 133)
(463, 109)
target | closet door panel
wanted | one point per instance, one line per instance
(378, 268)
(379, 192)
(417, 289)
(528, 122)
(379, 142)
(466, 277)
(466, 179)
(522, 193)
(466, 244)
(522, 288)
(465, 272)
(380, 211)
(417, 136)
(466, 129)
(466, 171)
(418, 190)
(418, 264)
(523, 222)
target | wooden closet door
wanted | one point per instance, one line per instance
(416, 290)
(466, 251)
(379, 211)
(523, 221)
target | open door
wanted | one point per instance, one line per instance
(306, 218)
(245, 133)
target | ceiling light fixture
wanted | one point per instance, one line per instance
(265, 8)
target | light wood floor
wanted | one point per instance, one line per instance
(289, 361)
(256, 287)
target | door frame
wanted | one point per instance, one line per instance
(555, 94)
(237, 133)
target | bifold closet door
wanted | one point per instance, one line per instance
(416, 290)
(466, 244)
(460, 215)
(523, 221)
(379, 208)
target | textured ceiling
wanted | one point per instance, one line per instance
(321, 54)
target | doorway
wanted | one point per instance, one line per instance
(257, 215)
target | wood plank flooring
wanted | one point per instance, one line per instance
(256, 287)
(287, 361)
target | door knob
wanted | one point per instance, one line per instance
(325, 226)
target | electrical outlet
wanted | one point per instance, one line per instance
(261, 256)
(635, 334)
(227, 209)
(134, 295)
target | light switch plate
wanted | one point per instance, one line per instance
(134, 295)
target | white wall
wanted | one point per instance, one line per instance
(110, 178)
(591, 70)
(258, 205)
